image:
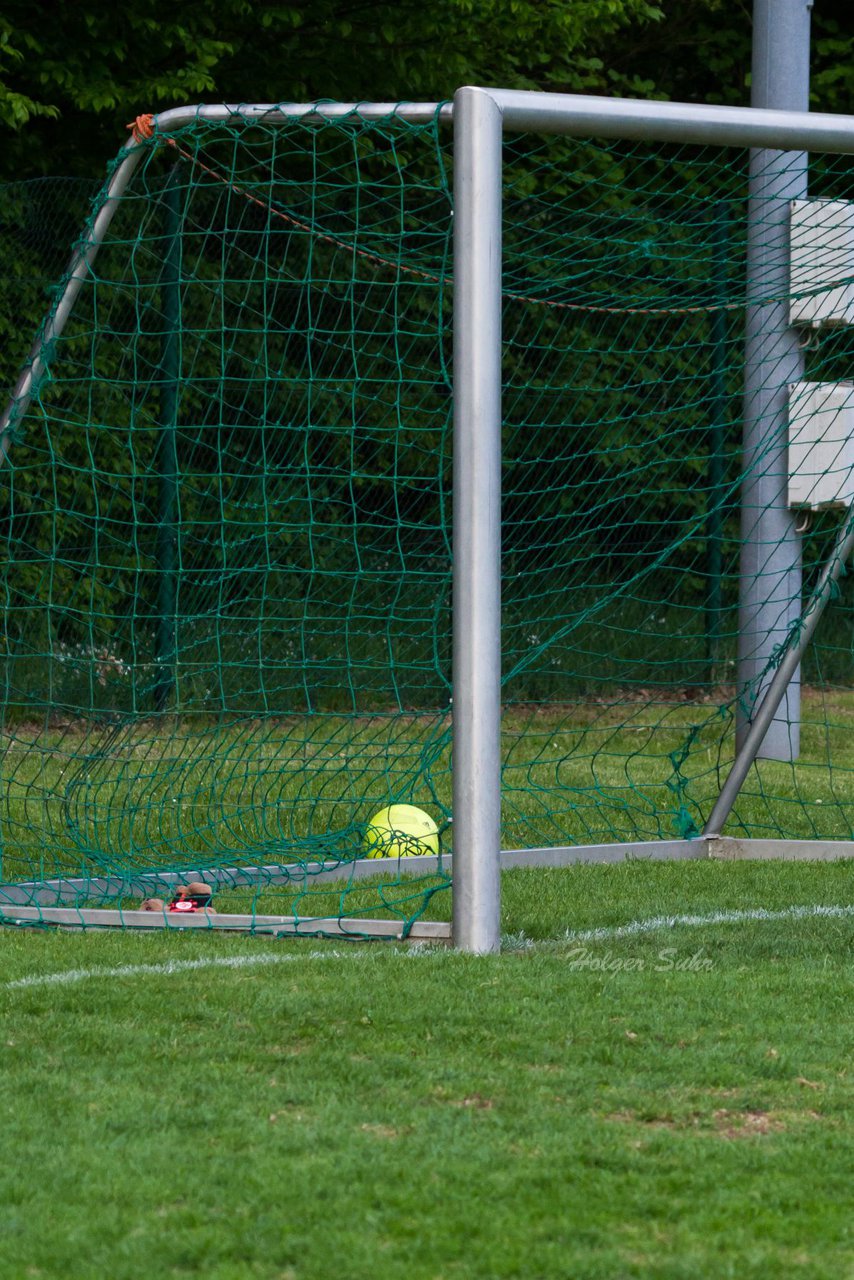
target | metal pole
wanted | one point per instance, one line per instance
(718, 406)
(770, 576)
(576, 115)
(84, 256)
(582, 116)
(167, 455)
(776, 690)
(477, 521)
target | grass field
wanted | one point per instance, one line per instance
(651, 1080)
(668, 1100)
(89, 797)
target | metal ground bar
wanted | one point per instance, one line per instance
(151, 884)
(290, 926)
(732, 849)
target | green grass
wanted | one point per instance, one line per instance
(202, 793)
(671, 1104)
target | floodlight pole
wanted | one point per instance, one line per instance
(770, 576)
(477, 521)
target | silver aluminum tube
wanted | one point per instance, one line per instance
(167, 122)
(477, 521)
(575, 114)
(28, 383)
(271, 112)
(582, 115)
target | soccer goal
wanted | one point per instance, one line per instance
(488, 458)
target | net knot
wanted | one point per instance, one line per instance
(142, 128)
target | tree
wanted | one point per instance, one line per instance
(69, 86)
(700, 51)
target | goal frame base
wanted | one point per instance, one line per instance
(51, 901)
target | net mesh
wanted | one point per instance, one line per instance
(226, 514)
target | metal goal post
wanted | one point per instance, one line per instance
(481, 118)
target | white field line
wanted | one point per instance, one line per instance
(754, 915)
(607, 933)
(168, 967)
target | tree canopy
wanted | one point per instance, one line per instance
(69, 85)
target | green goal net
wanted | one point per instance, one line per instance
(628, 494)
(226, 510)
(227, 634)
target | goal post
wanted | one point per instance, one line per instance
(478, 377)
(477, 519)
(382, 442)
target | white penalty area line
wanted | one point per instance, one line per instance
(168, 968)
(608, 933)
(755, 915)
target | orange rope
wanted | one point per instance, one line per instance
(142, 128)
(143, 131)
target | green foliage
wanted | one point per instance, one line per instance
(69, 86)
(17, 108)
(94, 73)
(700, 51)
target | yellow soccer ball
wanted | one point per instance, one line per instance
(401, 831)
